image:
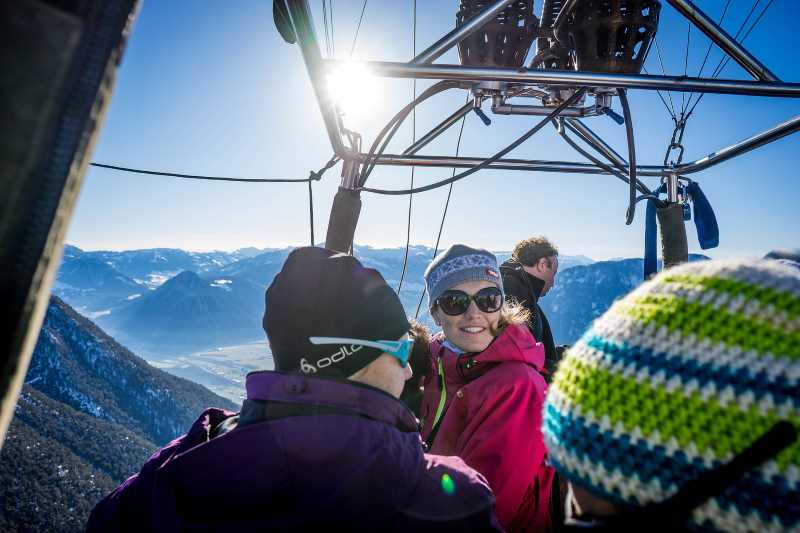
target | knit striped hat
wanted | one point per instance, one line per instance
(677, 378)
(458, 264)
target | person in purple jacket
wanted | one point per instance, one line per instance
(323, 441)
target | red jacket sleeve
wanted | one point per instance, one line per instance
(503, 441)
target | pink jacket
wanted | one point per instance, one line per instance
(492, 417)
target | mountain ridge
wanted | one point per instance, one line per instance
(89, 415)
(78, 364)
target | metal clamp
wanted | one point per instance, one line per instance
(676, 143)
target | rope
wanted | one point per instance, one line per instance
(413, 140)
(333, 39)
(325, 25)
(485, 163)
(358, 27)
(314, 176)
(444, 212)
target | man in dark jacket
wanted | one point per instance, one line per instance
(323, 441)
(527, 276)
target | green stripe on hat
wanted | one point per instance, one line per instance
(782, 301)
(714, 323)
(723, 429)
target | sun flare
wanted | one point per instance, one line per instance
(354, 90)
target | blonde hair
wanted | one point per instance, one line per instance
(512, 313)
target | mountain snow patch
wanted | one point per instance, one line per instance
(223, 284)
(157, 279)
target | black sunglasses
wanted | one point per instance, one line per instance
(454, 303)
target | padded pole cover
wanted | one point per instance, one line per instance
(674, 247)
(344, 218)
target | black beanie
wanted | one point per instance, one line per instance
(322, 293)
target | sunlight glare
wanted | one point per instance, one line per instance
(354, 90)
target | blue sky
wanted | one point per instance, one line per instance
(210, 88)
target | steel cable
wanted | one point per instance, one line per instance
(444, 212)
(413, 140)
(686, 64)
(485, 163)
(313, 177)
(388, 131)
(724, 61)
(614, 171)
(711, 43)
(358, 28)
(325, 26)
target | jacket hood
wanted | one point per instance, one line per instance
(515, 343)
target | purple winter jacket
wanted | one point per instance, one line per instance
(307, 453)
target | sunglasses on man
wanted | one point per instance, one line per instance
(454, 302)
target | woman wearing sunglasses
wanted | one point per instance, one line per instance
(483, 400)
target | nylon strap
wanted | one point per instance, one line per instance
(442, 397)
(704, 220)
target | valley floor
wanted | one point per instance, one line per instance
(222, 370)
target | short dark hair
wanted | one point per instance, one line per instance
(530, 251)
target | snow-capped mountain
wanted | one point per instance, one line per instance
(259, 268)
(143, 265)
(163, 302)
(93, 285)
(152, 267)
(189, 313)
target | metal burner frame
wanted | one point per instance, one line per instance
(545, 84)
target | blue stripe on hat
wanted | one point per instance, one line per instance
(640, 460)
(742, 380)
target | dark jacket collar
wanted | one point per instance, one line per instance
(356, 398)
(515, 268)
